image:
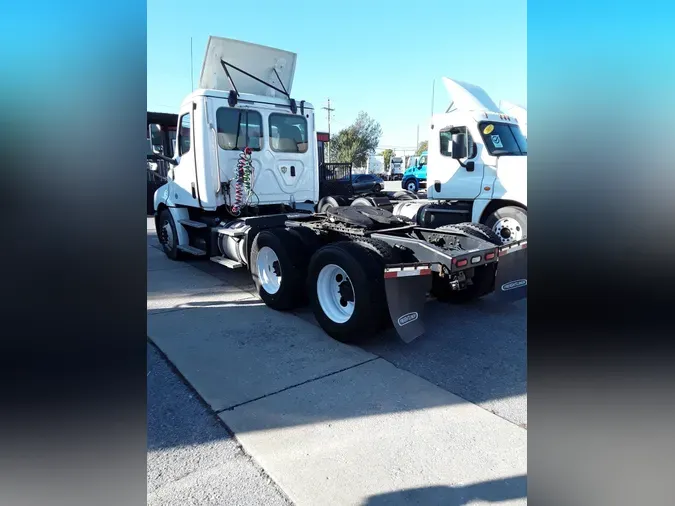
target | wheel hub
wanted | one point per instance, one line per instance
(508, 229)
(335, 293)
(269, 270)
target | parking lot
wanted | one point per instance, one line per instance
(439, 421)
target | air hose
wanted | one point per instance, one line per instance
(243, 178)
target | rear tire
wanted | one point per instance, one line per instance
(346, 290)
(330, 201)
(362, 201)
(377, 188)
(278, 268)
(480, 231)
(404, 195)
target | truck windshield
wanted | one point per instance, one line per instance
(503, 139)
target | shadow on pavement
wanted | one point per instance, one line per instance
(488, 491)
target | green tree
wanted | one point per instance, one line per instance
(424, 145)
(387, 153)
(354, 143)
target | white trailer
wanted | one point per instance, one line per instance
(375, 165)
(243, 190)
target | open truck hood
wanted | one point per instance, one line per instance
(468, 97)
(257, 60)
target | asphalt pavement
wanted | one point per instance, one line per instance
(192, 458)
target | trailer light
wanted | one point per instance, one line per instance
(462, 263)
(475, 260)
(489, 256)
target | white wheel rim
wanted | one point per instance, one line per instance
(269, 270)
(508, 230)
(411, 187)
(334, 289)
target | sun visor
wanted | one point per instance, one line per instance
(259, 61)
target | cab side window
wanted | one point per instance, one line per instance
(184, 135)
(446, 141)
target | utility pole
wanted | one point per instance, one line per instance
(328, 110)
(192, 72)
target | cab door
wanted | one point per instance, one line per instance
(184, 189)
(458, 181)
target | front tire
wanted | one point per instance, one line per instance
(278, 268)
(346, 291)
(168, 235)
(509, 223)
(411, 185)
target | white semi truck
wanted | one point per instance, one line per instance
(244, 187)
(396, 167)
(483, 177)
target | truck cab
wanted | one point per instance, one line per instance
(415, 176)
(243, 103)
(477, 157)
(396, 168)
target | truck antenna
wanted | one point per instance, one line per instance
(433, 88)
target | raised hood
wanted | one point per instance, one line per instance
(259, 61)
(468, 97)
(511, 109)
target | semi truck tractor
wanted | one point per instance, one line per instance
(244, 188)
(396, 168)
(415, 176)
(482, 179)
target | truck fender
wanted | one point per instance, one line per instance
(180, 213)
(479, 206)
(484, 207)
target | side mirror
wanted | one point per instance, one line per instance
(459, 148)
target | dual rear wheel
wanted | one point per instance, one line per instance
(342, 282)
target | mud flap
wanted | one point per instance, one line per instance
(406, 290)
(511, 278)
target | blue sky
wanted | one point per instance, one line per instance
(365, 55)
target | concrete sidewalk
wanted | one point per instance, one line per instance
(328, 422)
